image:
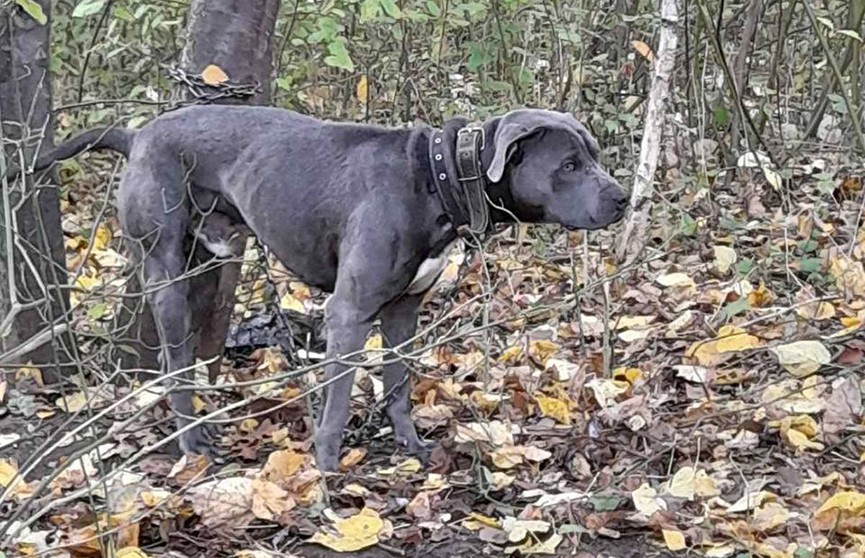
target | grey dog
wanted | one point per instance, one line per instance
(364, 212)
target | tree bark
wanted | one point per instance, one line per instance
(33, 301)
(236, 36)
(634, 239)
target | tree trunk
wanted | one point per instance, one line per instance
(236, 36)
(33, 302)
(633, 240)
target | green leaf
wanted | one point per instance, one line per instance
(369, 10)
(88, 7)
(687, 224)
(339, 57)
(390, 8)
(34, 10)
(811, 265)
(97, 311)
(605, 502)
(433, 8)
(737, 307)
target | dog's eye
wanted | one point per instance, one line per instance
(570, 166)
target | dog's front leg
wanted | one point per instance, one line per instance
(346, 333)
(398, 324)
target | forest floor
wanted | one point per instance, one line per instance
(706, 400)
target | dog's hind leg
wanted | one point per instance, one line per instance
(398, 325)
(154, 210)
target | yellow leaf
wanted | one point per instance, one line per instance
(102, 238)
(363, 90)
(282, 465)
(630, 375)
(373, 343)
(511, 355)
(198, 403)
(352, 458)
(476, 520)
(554, 408)
(352, 534)
(675, 540)
(725, 257)
(802, 358)
(730, 339)
(73, 402)
(248, 425)
(130, 552)
(761, 296)
(410, 465)
(289, 302)
(644, 49)
(8, 472)
(542, 349)
(31, 372)
(213, 75)
(841, 512)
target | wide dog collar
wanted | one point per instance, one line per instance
(464, 196)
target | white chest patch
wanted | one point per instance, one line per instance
(429, 271)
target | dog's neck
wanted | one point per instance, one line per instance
(501, 205)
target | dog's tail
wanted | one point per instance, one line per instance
(115, 139)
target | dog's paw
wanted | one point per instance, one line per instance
(196, 440)
(416, 448)
(327, 452)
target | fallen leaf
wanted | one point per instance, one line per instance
(223, 503)
(282, 465)
(849, 275)
(730, 339)
(606, 391)
(213, 75)
(751, 500)
(352, 458)
(73, 402)
(646, 500)
(363, 90)
(269, 501)
(725, 257)
(802, 358)
(675, 540)
(644, 49)
(839, 510)
(353, 533)
(554, 408)
(675, 280)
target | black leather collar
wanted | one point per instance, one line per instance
(462, 190)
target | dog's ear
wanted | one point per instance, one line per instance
(520, 124)
(506, 138)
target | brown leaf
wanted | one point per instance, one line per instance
(213, 75)
(844, 406)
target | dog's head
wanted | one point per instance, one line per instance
(544, 168)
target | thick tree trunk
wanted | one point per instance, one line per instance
(236, 36)
(33, 302)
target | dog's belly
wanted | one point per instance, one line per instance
(430, 270)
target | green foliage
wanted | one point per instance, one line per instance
(34, 10)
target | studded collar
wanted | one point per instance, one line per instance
(458, 179)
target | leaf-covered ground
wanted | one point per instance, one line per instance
(705, 400)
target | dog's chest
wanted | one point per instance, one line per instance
(430, 270)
